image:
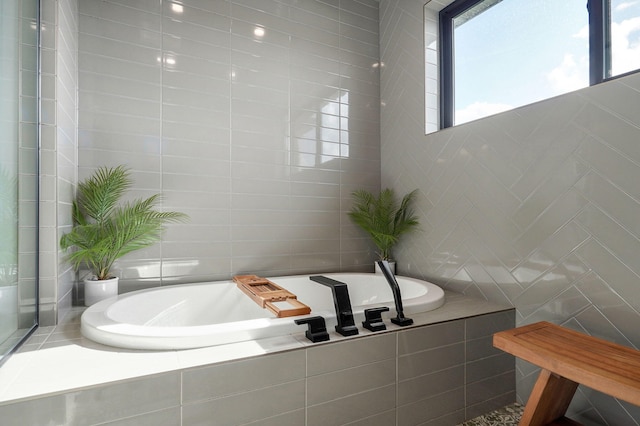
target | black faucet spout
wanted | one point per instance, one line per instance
(400, 319)
(346, 324)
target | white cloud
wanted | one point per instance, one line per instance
(478, 110)
(582, 34)
(626, 53)
(571, 74)
(625, 5)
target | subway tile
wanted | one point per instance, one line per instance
(342, 355)
(610, 163)
(120, 50)
(611, 270)
(487, 325)
(221, 7)
(211, 103)
(148, 19)
(178, 62)
(169, 416)
(489, 388)
(480, 348)
(425, 410)
(215, 33)
(188, 115)
(335, 385)
(195, 48)
(103, 121)
(565, 240)
(267, 13)
(616, 128)
(424, 338)
(116, 30)
(489, 367)
(368, 11)
(236, 377)
(117, 86)
(613, 307)
(176, 83)
(358, 27)
(425, 362)
(92, 62)
(322, 10)
(195, 132)
(97, 405)
(208, 250)
(292, 418)
(318, 28)
(195, 23)
(611, 200)
(246, 407)
(429, 385)
(141, 108)
(352, 408)
(610, 234)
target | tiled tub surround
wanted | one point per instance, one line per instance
(256, 118)
(441, 371)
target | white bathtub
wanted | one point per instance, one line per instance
(208, 314)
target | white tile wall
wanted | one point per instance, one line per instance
(259, 138)
(536, 207)
(58, 167)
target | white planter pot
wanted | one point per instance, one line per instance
(392, 265)
(97, 290)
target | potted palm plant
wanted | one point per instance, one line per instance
(105, 230)
(383, 218)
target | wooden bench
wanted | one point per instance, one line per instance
(569, 358)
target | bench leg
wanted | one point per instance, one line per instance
(549, 400)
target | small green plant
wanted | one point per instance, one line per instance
(383, 218)
(103, 230)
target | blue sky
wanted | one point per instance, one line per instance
(521, 51)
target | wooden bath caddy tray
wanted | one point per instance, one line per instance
(271, 296)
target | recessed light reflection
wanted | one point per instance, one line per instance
(167, 60)
(34, 26)
(177, 8)
(258, 32)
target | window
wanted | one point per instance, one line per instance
(500, 54)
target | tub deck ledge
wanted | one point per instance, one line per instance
(58, 359)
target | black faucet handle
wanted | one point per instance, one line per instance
(317, 328)
(373, 319)
(400, 320)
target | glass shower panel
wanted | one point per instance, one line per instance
(18, 171)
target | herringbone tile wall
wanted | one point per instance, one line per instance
(538, 207)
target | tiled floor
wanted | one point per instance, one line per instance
(509, 415)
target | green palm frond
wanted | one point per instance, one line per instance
(105, 231)
(382, 218)
(99, 195)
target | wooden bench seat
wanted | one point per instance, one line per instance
(569, 358)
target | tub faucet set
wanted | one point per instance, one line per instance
(346, 326)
